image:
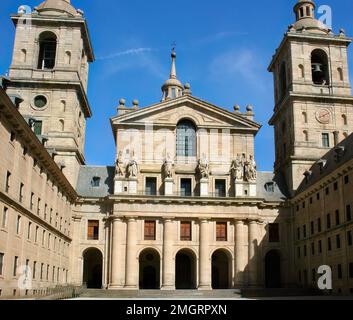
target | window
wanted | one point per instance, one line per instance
(186, 139)
(273, 231)
(150, 230)
(15, 263)
(319, 225)
(93, 230)
(339, 271)
(318, 196)
(312, 227)
(298, 233)
(335, 186)
(96, 182)
(151, 186)
(32, 201)
(38, 206)
(349, 238)
(40, 102)
(346, 179)
(304, 231)
(43, 238)
(313, 249)
(320, 246)
(327, 191)
(328, 220)
(270, 187)
(1, 263)
(37, 125)
(338, 241)
(220, 188)
(18, 224)
(305, 135)
(319, 65)
(221, 231)
(305, 251)
(325, 140)
(34, 269)
(47, 51)
(185, 187)
(7, 184)
(348, 213)
(12, 136)
(337, 214)
(29, 230)
(340, 73)
(298, 252)
(4, 217)
(185, 231)
(282, 80)
(329, 244)
(41, 271)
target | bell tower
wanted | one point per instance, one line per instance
(49, 71)
(313, 103)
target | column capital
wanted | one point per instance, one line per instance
(204, 220)
(131, 219)
(239, 222)
(168, 219)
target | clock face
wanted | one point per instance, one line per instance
(323, 116)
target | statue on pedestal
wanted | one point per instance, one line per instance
(203, 167)
(237, 168)
(132, 167)
(168, 167)
(250, 169)
(119, 165)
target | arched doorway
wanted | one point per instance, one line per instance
(92, 268)
(273, 269)
(220, 270)
(185, 270)
(149, 270)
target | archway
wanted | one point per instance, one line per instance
(185, 270)
(273, 269)
(92, 268)
(220, 270)
(149, 270)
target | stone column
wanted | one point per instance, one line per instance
(253, 244)
(117, 280)
(204, 259)
(131, 274)
(168, 275)
(240, 254)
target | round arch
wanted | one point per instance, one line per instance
(149, 269)
(47, 41)
(92, 268)
(185, 269)
(273, 269)
(221, 269)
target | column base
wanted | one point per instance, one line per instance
(131, 288)
(115, 287)
(168, 288)
(205, 288)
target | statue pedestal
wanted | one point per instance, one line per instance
(245, 189)
(204, 187)
(132, 185)
(239, 189)
(168, 186)
(119, 185)
(252, 189)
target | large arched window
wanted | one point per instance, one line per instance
(47, 50)
(319, 66)
(186, 139)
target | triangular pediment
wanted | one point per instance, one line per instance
(203, 114)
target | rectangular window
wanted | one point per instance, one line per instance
(327, 191)
(47, 276)
(346, 179)
(351, 270)
(298, 233)
(53, 275)
(348, 213)
(319, 225)
(37, 127)
(298, 252)
(43, 238)
(318, 196)
(273, 231)
(325, 140)
(220, 188)
(151, 186)
(185, 187)
(4, 217)
(338, 241)
(15, 263)
(320, 246)
(349, 238)
(21, 192)
(185, 231)
(312, 227)
(335, 186)
(328, 220)
(34, 269)
(41, 271)
(313, 249)
(329, 244)
(305, 251)
(304, 231)
(45, 211)
(31, 204)
(7, 184)
(150, 230)
(29, 230)
(221, 231)
(337, 213)
(93, 230)
(18, 224)
(38, 206)
(339, 271)
(36, 235)
(1, 263)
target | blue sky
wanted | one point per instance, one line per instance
(223, 48)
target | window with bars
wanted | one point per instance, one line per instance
(185, 231)
(93, 230)
(186, 139)
(221, 231)
(150, 230)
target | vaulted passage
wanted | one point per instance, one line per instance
(149, 274)
(273, 269)
(92, 268)
(220, 270)
(185, 270)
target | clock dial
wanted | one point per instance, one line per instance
(323, 116)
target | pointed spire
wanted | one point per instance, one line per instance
(173, 74)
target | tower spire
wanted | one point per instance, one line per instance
(173, 74)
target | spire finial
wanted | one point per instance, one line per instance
(173, 74)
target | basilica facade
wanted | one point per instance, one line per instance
(182, 206)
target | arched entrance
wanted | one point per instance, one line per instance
(220, 270)
(149, 272)
(185, 270)
(92, 268)
(273, 269)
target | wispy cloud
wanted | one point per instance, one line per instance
(133, 51)
(240, 64)
(211, 38)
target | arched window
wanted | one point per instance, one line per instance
(319, 65)
(344, 119)
(305, 117)
(301, 71)
(67, 57)
(282, 80)
(306, 135)
(61, 125)
(186, 139)
(340, 74)
(62, 105)
(47, 50)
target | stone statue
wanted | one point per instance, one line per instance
(132, 167)
(250, 169)
(168, 166)
(119, 165)
(237, 168)
(203, 167)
